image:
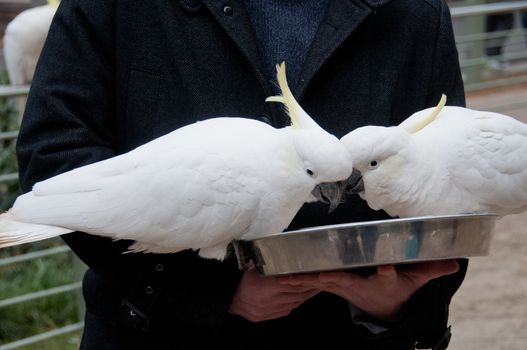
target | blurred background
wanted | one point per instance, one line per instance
(40, 302)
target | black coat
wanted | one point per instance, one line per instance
(115, 74)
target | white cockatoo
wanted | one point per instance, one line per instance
(198, 187)
(442, 161)
(23, 41)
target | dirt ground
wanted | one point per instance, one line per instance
(489, 311)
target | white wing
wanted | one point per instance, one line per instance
(174, 192)
(490, 157)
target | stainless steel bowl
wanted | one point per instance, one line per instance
(371, 243)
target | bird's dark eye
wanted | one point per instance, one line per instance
(373, 163)
(310, 172)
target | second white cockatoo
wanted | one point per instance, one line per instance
(24, 38)
(198, 187)
(442, 161)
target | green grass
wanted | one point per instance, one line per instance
(37, 316)
(8, 164)
(65, 342)
(33, 317)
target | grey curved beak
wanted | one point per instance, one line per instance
(355, 183)
(330, 193)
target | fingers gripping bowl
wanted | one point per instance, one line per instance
(362, 244)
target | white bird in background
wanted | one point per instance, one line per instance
(442, 161)
(198, 187)
(23, 41)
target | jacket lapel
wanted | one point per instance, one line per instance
(238, 27)
(342, 18)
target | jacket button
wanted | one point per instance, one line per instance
(159, 267)
(227, 10)
(264, 119)
(149, 290)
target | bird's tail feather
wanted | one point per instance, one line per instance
(13, 232)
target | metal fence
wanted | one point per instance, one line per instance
(471, 36)
(12, 92)
(474, 40)
(44, 293)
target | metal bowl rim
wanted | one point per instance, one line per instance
(394, 221)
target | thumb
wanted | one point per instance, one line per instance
(386, 272)
(427, 271)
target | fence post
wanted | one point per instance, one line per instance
(473, 25)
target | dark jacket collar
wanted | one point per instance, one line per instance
(342, 18)
(236, 23)
(375, 3)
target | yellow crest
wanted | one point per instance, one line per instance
(286, 97)
(414, 126)
(299, 118)
(54, 3)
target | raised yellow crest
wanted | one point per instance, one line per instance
(413, 126)
(299, 118)
(54, 3)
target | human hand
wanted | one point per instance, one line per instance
(260, 298)
(384, 294)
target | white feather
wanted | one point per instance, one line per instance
(15, 232)
(23, 41)
(465, 161)
(198, 187)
